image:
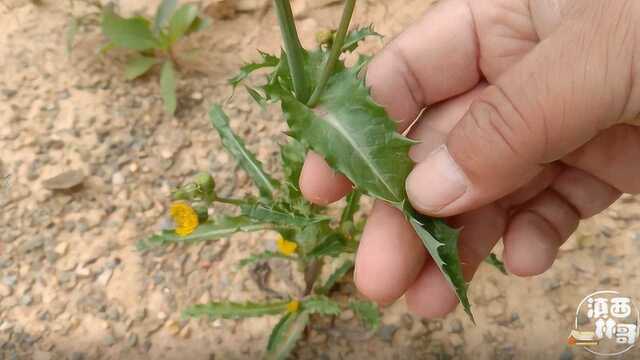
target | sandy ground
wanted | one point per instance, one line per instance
(73, 286)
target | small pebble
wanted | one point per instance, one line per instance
(26, 300)
(117, 179)
(185, 333)
(132, 340)
(61, 248)
(5, 290)
(109, 340)
(456, 326)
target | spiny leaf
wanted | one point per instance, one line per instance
(245, 159)
(321, 305)
(256, 96)
(355, 136)
(211, 230)
(163, 13)
(355, 36)
(493, 260)
(268, 60)
(132, 33)
(293, 154)
(233, 310)
(286, 334)
(276, 214)
(333, 245)
(442, 243)
(352, 207)
(367, 312)
(310, 236)
(181, 21)
(341, 271)
(358, 139)
(138, 67)
(267, 255)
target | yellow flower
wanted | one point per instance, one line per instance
(293, 306)
(286, 247)
(185, 217)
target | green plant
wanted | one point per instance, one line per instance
(308, 238)
(153, 41)
(328, 109)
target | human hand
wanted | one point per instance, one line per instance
(530, 126)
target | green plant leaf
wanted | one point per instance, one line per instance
(200, 23)
(309, 237)
(352, 206)
(321, 305)
(367, 312)
(358, 139)
(293, 154)
(70, 34)
(233, 310)
(105, 48)
(333, 245)
(256, 96)
(355, 136)
(138, 67)
(355, 36)
(168, 87)
(163, 13)
(132, 33)
(442, 243)
(210, 230)
(286, 334)
(268, 61)
(341, 271)
(267, 255)
(245, 159)
(181, 21)
(277, 214)
(493, 260)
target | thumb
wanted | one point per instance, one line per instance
(553, 101)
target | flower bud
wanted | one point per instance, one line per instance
(206, 184)
(187, 192)
(325, 37)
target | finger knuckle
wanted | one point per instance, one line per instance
(496, 122)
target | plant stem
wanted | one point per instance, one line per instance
(293, 48)
(229, 201)
(336, 50)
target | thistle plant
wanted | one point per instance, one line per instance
(329, 110)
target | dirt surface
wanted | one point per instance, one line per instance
(73, 286)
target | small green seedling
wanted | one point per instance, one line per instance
(329, 110)
(153, 41)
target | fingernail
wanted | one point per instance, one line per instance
(436, 182)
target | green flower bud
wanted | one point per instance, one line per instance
(325, 37)
(206, 184)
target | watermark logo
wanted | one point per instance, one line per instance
(606, 324)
